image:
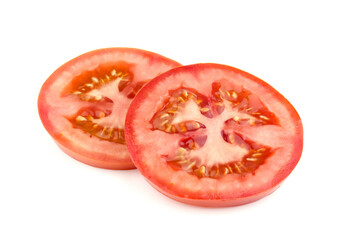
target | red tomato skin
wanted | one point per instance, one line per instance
(214, 203)
(246, 197)
(99, 160)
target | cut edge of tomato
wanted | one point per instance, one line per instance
(276, 182)
(106, 162)
(111, 165)
(215, 203)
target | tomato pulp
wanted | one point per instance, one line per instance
(213, 135)
(83, 104)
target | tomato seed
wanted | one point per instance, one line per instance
(80, 118)
(204, 110)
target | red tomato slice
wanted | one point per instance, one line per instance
(83, 104)
(213, 135)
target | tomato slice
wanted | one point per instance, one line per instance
(213, 135)
(83, 104)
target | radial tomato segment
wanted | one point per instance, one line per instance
(88, 121)
(213, 132)
(83, 104)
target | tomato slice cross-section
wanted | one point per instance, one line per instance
(213, 135)
(83, 104)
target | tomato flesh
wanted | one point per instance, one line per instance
(83, 104)
(213, 135)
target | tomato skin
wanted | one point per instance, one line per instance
(214, 203)
(173, 185)
(99, 160)
(92, 151)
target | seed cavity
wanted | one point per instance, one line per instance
(98, 82)
(247, 165)
(256, 115)
(255, 157)
(163, 119)
(85, 121)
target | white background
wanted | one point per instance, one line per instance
(296, 46)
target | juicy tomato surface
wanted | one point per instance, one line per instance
(83, 104)
(213, 135)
